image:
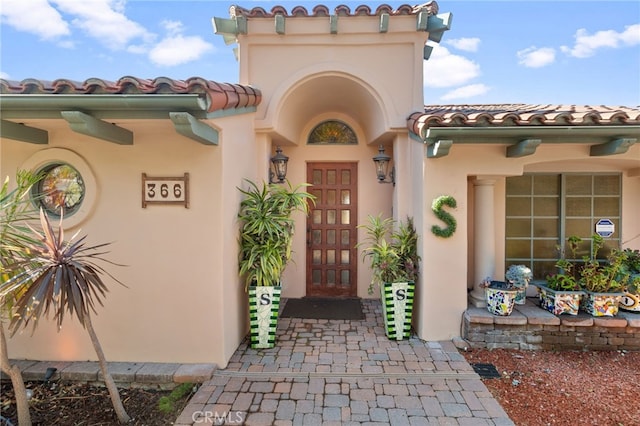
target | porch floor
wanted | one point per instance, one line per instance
(345, 372)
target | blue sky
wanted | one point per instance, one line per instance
(540, 52)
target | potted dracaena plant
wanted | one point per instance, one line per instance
(561, 293)
(392, 249)
(266, 234)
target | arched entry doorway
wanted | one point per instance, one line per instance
(330, 125)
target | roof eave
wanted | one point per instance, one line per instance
(116, 106)
(524, 140)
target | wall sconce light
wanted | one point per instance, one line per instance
(382, 161)
(279, 162)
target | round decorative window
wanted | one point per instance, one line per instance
(68, 188)
(61, 190)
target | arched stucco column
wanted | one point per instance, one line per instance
(263, 159)
(484, 243)
(402, 199)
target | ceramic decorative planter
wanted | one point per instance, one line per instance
(631, 299)
(500, 299)
(264, 306)
(560, 302)
(521, 296)
(601, 304)
(630, 302)
(397, 309)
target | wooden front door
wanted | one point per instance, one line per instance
(331, 230)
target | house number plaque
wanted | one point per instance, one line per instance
(165, 190)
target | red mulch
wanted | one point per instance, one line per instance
(565, 388)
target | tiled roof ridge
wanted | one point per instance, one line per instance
(495, 115)
(342, 10)
(219, 95)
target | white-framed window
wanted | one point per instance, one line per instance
(543, 210)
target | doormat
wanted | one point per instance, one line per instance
(486, 371)
(323, 308)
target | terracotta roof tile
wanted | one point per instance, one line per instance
(495, 115)
(342, 10)
(219, 95)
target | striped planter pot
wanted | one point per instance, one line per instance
(397, 309)
(264, 307)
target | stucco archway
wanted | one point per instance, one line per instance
(314, 92)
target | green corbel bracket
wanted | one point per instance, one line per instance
(615, 146)
(426, 52)
(422, 20)
(229, 28)
(384, 22)
(90, 126)
(333, 24)
(523, 148)
(439, 148)
(189, 126)
(279, 22)
(437, 25)
(20, 132)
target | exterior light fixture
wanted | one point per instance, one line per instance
(382, 161)
(279, 162)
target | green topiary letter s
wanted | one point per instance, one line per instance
(436, 206)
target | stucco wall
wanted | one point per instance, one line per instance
(448, 264)
(179, 298)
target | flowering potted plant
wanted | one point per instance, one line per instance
(394, 260)
(518, 277)
(562, 293)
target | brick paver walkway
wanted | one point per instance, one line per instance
(332, 372)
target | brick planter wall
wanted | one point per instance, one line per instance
(530, 327)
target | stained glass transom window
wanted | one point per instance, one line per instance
(332, 132)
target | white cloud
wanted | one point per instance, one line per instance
(173, 27)
(34, 16)
(444, 69)
(178, 49)
(586, 45)
(467, 44)
(533, 57)
(105, 21)
(468, 91)
(4, 75)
